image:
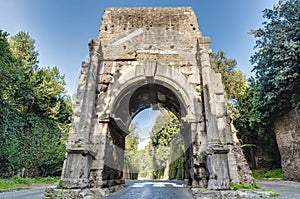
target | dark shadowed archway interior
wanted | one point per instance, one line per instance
(156, 97)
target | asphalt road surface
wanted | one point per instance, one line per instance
(152, 189)
(37, 193)
(158, 189)
(286, 189)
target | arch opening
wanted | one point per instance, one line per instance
(154, 148)
(166, 140)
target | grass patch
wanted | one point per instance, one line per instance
(97, 196)
(48, 179)
(202, 189)
(237, 186)
(264, 173)
(273, 192)
(17, 181)
(243, 185)
(255, 185)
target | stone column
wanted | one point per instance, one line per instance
(76, 169)
(199, 146)
(185, 130)
(99, 139)
(216, 153)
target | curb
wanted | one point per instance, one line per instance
(24, 188)
(269, 179)
(14, 189)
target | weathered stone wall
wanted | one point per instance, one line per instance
(118, 21)
(145, 57)
(287, 130)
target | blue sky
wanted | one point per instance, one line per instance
(144, 121)
(62, 28)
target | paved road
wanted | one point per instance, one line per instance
(286, 189)
(24, 194)
(152, 189)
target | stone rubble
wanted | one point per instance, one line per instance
(230, 194)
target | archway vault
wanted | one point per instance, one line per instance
(154, 96)
(147, 57)
(133, 91)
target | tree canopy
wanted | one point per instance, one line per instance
(277, 60)
(234, 80)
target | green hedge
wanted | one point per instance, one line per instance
(17, 181)
(264, 173)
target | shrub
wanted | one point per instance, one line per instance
(264, 173)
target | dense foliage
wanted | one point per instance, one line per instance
(277, 60)
(34, 111)
(265, 173)
(276, 89)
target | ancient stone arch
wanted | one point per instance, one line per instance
(147, 57)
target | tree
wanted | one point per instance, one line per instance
(23, 49)
(131, 156)
(234, 81)
(8, 70)
(34, 111)
(163, 134)
(48, 92)
(177, 158)
(277, 59)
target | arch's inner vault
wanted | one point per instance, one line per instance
(147, 57)
(153, 96)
